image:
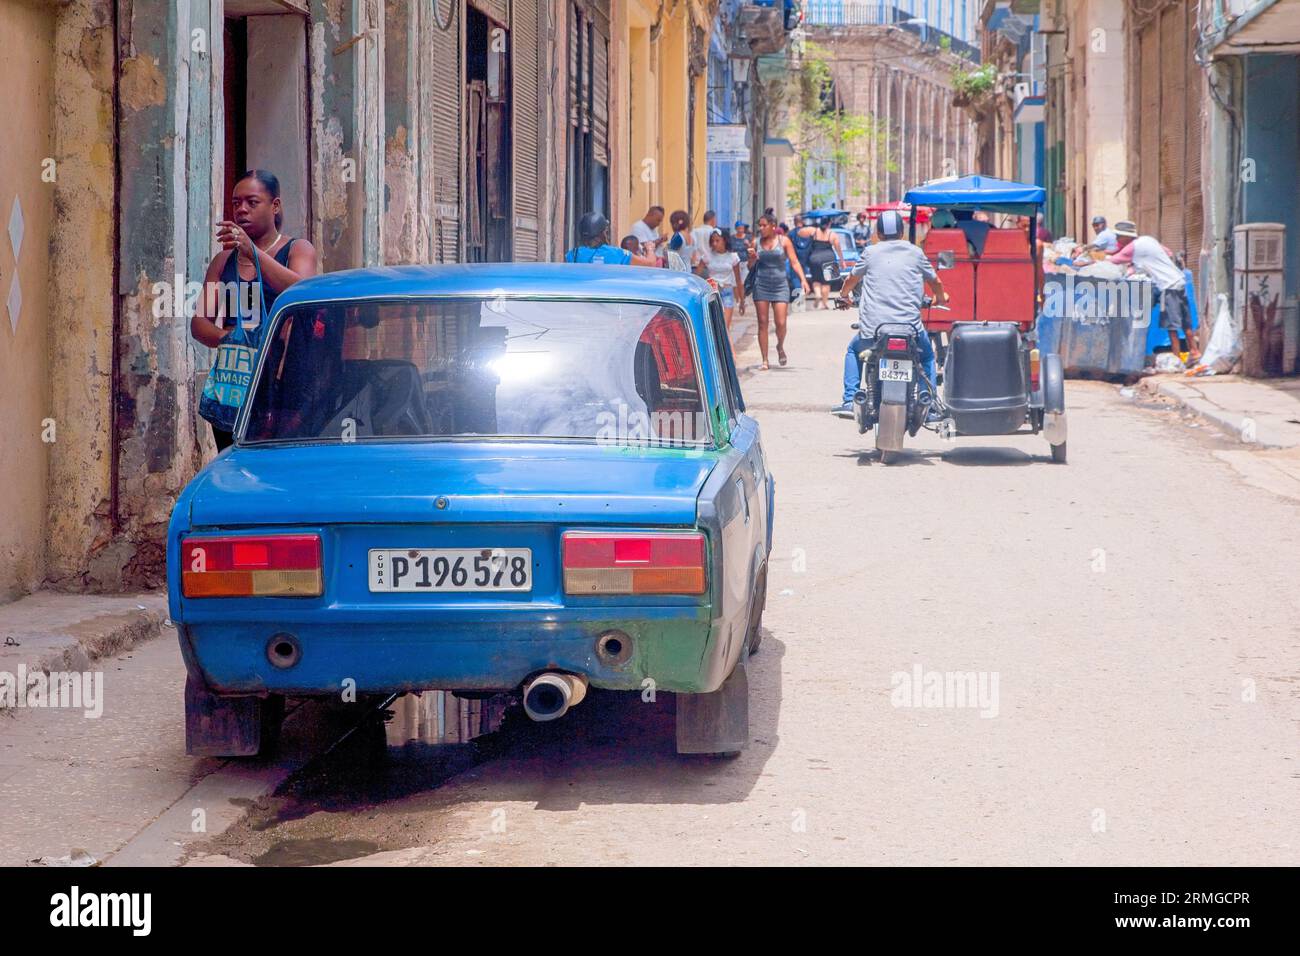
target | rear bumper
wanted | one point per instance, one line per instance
(677, 647)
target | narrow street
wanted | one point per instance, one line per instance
(1141, 703)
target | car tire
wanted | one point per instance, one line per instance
(754, 632)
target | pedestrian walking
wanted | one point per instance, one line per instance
(768, 260)
(700, 234)
(823, 252)
(862, 232)
(740, 243)
(724, 271)
(255, 265)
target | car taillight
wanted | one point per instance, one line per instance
(896, 345)
(266, 565)
(631, 563)
(1034, 369)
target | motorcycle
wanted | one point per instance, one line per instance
(895, 395)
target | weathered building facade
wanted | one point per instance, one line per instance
(401, 130)
(1088, 127)
(895, 68)
(1010, 116)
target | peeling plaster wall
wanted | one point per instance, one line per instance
(158, 451)
(346, 85)
(402, 80)
(81, 291)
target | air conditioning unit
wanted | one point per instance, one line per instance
(1260, 247)
(1259, 295)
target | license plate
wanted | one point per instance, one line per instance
(451, 569)
(895, 370)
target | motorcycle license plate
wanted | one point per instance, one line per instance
(895, 370)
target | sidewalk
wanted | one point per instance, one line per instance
(1264, 413)
(50, 631)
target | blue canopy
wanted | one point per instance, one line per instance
(979, 192)
(824, 213)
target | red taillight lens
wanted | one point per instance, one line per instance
(271, 565)
(1035, 369)
(646, 563)
(896, 345)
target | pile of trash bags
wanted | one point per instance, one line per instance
(1225, 344)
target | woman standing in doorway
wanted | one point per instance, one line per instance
(251, 244)
(771, 294)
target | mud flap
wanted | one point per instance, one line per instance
(718, 722)
(1054, 428)
(229, 726)
(893, 423)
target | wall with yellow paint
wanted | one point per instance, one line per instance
(650, 110)
(26, 218)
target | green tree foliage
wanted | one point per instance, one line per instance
(825, 134)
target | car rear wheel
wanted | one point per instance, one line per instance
(755, 632)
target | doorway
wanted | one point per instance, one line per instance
(264, 92)
(488, 148)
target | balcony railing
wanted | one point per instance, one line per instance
(873, 13)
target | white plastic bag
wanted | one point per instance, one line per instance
(1225, 340)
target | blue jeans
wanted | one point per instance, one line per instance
(853, 362)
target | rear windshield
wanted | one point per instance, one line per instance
(617, 372)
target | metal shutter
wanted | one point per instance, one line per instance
(527, 109)
(600, 96)
(447, 88)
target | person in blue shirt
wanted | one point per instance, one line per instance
(1106, 240)
(593, 231)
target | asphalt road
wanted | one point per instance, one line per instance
(1105, 658)
(1125, 625)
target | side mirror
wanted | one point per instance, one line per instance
(947, 259)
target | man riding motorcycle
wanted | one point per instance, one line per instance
(894, 275)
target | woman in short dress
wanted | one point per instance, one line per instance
(768, 260)
(825, 251)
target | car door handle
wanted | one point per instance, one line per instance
(744, 498)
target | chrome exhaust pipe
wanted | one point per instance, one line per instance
(549, 696)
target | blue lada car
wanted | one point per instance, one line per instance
(516, 478)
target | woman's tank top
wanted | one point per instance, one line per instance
(246, 291)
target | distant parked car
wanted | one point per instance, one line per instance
(849, 252)
(504, 478)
